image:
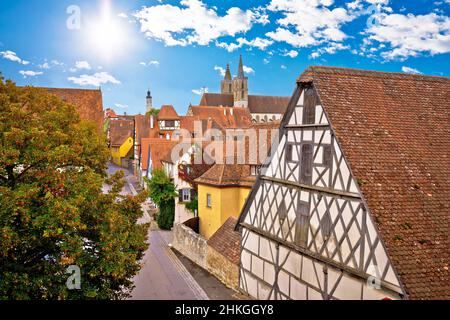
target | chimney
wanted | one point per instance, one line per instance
(231, 111)
(152, 122)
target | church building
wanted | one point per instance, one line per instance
(235, 93)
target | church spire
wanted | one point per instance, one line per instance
(228, 73)
(241, 68)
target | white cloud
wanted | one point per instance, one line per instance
(45, 65)
(291, 53)
(82, 65)
(283, 67)
(193, 23)
(150, 63)
(121, 106)
(200, 91)
(331, 48)
(309, 22)
(12, 56)
(122, 15)
(221, 70)
(410, 70)
(95, 80)
(30, 73)
(259, 43)
(411, 35)
(266, 61)
(248, 70)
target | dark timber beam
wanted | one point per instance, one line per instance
(321, 190)
(350, 271)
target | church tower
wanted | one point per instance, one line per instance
(149, 100)
(240, 87)
(226, 85)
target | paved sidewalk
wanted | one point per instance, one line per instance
(163, 276)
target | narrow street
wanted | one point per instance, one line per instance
(163, 275)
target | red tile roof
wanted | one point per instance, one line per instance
(217, 99)
(227, 241)
(225, 117)
(88, 103)
(256, 104)
(268, 104)
(228, 175)
(168, 113)
(158, 149)
(120, 131)
(110, 113)
(394, 130)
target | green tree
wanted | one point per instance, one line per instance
(162, 192)
(153, 112)
(53, 212)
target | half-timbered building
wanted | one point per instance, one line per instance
(353, 202)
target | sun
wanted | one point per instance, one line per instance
(106, 35)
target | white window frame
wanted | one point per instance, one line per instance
(208, 200)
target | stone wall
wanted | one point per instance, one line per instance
(190, 244)
(195, 247)
(222, 268)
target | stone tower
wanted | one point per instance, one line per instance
(240, 87)
(226, 85)
(149, 100)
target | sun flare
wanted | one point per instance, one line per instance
(106, 34)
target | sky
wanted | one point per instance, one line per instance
(179, 49)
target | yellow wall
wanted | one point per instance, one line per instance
(226, 202)
(117, 153)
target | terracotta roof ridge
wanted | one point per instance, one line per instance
(313, 70)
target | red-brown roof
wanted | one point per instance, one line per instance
(228, 175)
(88, 103)
(256, 104)
(227, 241)
(158, 149)
(168, 113)
(268, 104)
(120, 131)
(225, 117)
(394, 130)
(110, 113)
(217, 99)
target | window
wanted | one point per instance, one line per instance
(169, 123)
(302, 223)
(186, 195)
(309, 107)
(288, 152)
(306, 164)
(282, 212)
(229, 86)
(327, 155)
(208, 200)
(325, 225)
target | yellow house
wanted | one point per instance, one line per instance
(119, 153)
(122, 141)
(222, 192)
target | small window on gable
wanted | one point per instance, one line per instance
(288, 152)
(282, 212)
(302, 223)
(306, 164)
(327, 155)
(309, 107)
(325, 225)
